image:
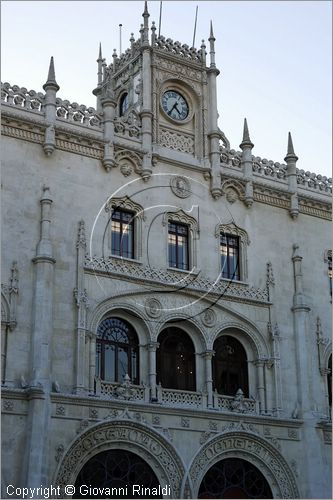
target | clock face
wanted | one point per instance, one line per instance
(175, 105)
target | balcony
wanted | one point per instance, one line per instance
(173, 398)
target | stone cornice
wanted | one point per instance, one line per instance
(93, 401)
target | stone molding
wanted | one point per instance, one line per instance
(245, 443)
(126, 434)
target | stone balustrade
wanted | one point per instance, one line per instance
(22, 98)
(181, 399)
(182, 50)
(77, 113)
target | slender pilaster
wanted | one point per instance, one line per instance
(92, 361)
(81, 300)
(146, 112)
(152, 347)
(36, 473)
(246, 163)
(214, 135)
(291, 160)
(259, 363)
(108, 104)
(208, 356)
(51, 88)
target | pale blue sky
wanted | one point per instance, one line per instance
(274, 56)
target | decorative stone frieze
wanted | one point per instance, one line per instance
(178, 141)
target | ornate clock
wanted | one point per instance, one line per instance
(175, 105)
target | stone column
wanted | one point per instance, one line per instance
(146, 113)
(259, 363)
(208, 356)
(291, 160)
(92, 361)
(246, 146)
(214, 135)
(108, 104)
(37, 431)
(152, 347)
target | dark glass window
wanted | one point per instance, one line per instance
(329, 381)
(229, 249)
(122, 233)
(178, 246)
(234, 478)
(230, 366)
(124, 104)
(117, 470)
(117, 351)
(176, 360)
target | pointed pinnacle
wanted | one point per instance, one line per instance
(100, 51)
(51, 81)
(290, 145)
(146, 9)
(211, 35)
(290, 150)
(246, 136)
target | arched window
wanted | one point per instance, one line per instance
(234, 478)
(230, 366)
(117, 351)
(176, 360)
(124, 104)
(329, 381)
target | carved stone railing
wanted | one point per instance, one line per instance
(269, 168)
(128, 125)
(126, 391)
(21, 97)
(77, 113)
(179, 280)
(231, 403)
(180, 399)
(314, 182)
(176, 48)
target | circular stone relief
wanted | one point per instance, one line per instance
(153, 308)
(180, 186)
(209, 317)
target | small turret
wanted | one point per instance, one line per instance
(51, 88)
(145, 16)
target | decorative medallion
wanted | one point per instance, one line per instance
(153, 308)
(209, 318)
(180, 186)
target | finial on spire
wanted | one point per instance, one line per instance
(211, 35)
(145, 16)
(51, 81)
(100, 52)
(211, 40)
(246, 136)
(290, 150)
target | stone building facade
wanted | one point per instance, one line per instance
(166, 299)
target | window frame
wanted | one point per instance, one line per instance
(127, 205)
(236, 273)
(243, 369)
(124, 97)
(177, 234)
(132, 347)
(233, 230)
(123, 224)
(182, 218)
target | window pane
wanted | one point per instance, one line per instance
(109, 363)
(229, 249)
(122, 234)
(172, 250)
(123, 367)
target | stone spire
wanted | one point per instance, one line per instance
(291, 160)
(211, 40)
(51, 81)
(145, 16)
(246, 146)
(291, 157)
(246, 142)
(100, 66)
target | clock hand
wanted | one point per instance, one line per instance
(173, 107)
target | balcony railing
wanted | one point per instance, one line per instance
(174, 398)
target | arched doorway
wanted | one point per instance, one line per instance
(234, 478)
(116, 471)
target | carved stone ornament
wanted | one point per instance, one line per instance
(239, 404)
(246, 445)
(233, 190)
(125, 391)
(180, 186)
(129, 435)
(153, 307)
(208, 318)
